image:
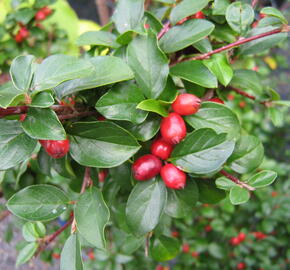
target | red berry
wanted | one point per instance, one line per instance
(235, 241)
(186, 104)
(262, 15)
(40, 15)
(22, 117)
(146, 26)
(46, 10)
(241, 266)
(146, 167)
(208, 228)
(175, 234)
(55, 148)
(101, 118)
(259, 235)
(24, 32)
(194, 254)
(173, 128)
(161, 149)
(230, 97)
(56, 255)
(199, 15)
(18, 38)
(159, 267)
(185, 248)
(102, 175)
(172, 176)
(241, 237)
(91, 255)
(255, 68)
(242, 104)
(255, 24)
(274, 194)
(217, 100)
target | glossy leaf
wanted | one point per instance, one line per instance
(270, 11)
(239, 195)
(262, 179)
(92, 215)
(15, 145)
(220, 7)
(145, 206)
(149, 64)
(42, 100)
(26, 253)
(224, 183)
(153, 105)
(8, 93)
(216, 116)
(32, 231)
(71, 257)
(181, 36)
(196, 72)
(38, 203)
(21, 72)
(120, 103)
(97, 38)
(106, 70)
(43, 124)
(101, 144)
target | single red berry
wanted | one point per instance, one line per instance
(235, 241)
(194, 254)
(186, 104)
(241, 266)
(255, 24)
(262, 15)
(255, 68)
(199, 15)
(146, 167)
(46, 10)
(40, 15)
(208, 228)
(22, 117)
(173, 128)
(91, 255)
(102, 175)
(175, 234)
(172, 176)
(24, 32)
(55, 148)
(230, 97)
(185, 248)
(242, 104)
(217, 100)
(241, 237)
(146, 26)
(18, 38)
(259, 235)
(56, 255)
(162, 149)
(274, 194)
(101, 118)
(159, 267)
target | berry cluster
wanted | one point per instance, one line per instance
(173, 131)
(235, 241)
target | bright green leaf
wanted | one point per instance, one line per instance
(26, 253)
(153, 105)
(8, 93)
(239, 195)
(262, 179)
(97, 38)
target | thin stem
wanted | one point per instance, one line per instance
(4, 214)
(235, 44)
(165, 28)
(13, 111)
(243, 93)
(254, 3)
(236, 180)
(103, 11)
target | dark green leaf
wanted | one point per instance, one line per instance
(38, 203)
(202, 151)
(239, 195)
(92, 215)
(71, 257)
(209, 193)
(216, 116)
(107, 70)
(21, 72)
(26, 253)
(145, 206)
(120, 103)
(153, 105)
(262, 179)
(101, 144)
(42, 100)
(164, 248)
(203, 45)
(149, 64)
(196, 72)
(181, 36)
(8, 94)
(220, 7)
(97, 38)
(43, 124)
(15, 145)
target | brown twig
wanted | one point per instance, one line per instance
(165, 28)
(4, 214)
(243, 93)
(235, 44)
(147, 4)
(236, 180)
(254, 3)
(103, 11)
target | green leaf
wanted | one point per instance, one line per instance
(97, 38)
(126, 37)
(209, 193)
(101, 144)
(145, 206)
(21, 72)
(281, 102)
(8, 94)
(128, 14)
(24, 15)
(71, 257)
(43, 124)
(203, 45)
(92, 215)
(15, 145)
(247, 80)
(42, 100)
(26, 253)
(203, 151)
(277, 116)
(196, 72)
(220, 7)
(224, 183)
(186, 8)
(120, 103)
(149, 64)
(216, 250)
(59, 68)
(219, 66)
(180, 203)
(32, 231)
(270, 11)
(260, 45)
(248, 154)
(239, 195)
(216, 116)
(153, 21)
(262, 179)
(107, 70)
(153, 105)
(38, 203)
(181, 36)
(164, 248)
(239, 16)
